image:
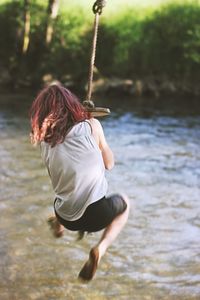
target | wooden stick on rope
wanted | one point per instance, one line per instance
(89, 105)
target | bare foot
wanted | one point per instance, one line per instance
(55, 226)
(90, 267)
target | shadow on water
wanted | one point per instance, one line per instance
(157, 256)
(148, 107)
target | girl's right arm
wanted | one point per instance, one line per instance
(99, 136)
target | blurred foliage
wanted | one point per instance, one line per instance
(165, 42)
(153, 42)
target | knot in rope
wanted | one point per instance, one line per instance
(98, 6)
(88, 104)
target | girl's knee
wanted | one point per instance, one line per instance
(126, 199)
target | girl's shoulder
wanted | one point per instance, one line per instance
(95, 124)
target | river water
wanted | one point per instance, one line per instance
(157, 255)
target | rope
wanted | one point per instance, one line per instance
(97, 10)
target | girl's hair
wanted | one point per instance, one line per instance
(54, 111)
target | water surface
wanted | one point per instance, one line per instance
(157, 256)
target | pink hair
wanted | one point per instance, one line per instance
(54, 111)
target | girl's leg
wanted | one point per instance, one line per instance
(109, 235)
(113, 230)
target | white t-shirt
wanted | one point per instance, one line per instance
(77, 171)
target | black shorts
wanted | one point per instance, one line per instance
(98, 215)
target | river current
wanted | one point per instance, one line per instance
(157, 255)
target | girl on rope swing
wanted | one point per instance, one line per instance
(76, 154)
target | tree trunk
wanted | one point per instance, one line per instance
(52, 13)
(27, 18)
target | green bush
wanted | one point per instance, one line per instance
(166, 42)
(165, 35)
(68, 54)
(119, 36)
(11, 38)
(160, 42)
(10, 32)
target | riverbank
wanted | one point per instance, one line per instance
(152, 87)
(134, 88)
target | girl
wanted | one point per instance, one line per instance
(76, 154)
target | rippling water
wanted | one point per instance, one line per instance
(157, 256)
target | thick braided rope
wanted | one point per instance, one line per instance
(97, 9)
